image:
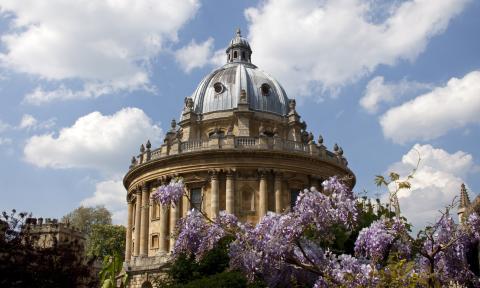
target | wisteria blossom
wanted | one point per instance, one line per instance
(284, 249)
(192, 228)
(382, 237)
(339, 207)
(196, 236)
(443, 255)
(474, 223)
(170, 193)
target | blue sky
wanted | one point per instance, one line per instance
(83, 83)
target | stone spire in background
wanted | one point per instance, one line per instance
(464, 203)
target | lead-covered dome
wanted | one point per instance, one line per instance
(222, 89)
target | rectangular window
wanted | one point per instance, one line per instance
(155, 242)
(293, 197)
(196, 198)
(157, 210)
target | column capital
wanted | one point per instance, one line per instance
(263, 172)
(278, 173)
(145, 186)
(230, 172)
(213, 173)
(138, 189)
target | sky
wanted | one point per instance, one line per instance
(83, 83)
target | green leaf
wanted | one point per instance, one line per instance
(404, 185)
(380, 180)
(394, 176)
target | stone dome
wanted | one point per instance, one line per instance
(222, 89)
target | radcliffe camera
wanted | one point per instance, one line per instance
(239, 144)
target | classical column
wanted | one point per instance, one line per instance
(145, 220)
(263, 197)
(215, 204)
(229, 194)
(174, 211)
(128, 242)
(163, 228)
(138, 216)
(278, 192)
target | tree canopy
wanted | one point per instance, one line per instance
(85, 217)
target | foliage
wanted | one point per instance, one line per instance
(221, 280)
(84, 218)
(399, 274)
(111, 266)
(185, 268)
(25, 264)
(105, 240)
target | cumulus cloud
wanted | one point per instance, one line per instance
(5, 141)
(3, 126)
(95, 141)
(27, 121)
(194, 55)
(110, 194)
(435, 184)
(433, 114)
(377, 92)
(341, 40)
(107, 45)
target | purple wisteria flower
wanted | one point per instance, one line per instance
(474, 223)
(170, 193)
(339, 207)
(374, 242)
(197, 237)
(263, 250)
(192, 230)
(215, 231)
(382, 237)
(447, 243)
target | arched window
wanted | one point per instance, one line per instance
(243, 55)
(235, 55)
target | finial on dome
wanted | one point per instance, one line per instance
(239, 49)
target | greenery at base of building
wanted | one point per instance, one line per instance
(210, 271)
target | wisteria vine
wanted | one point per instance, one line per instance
(288, 246)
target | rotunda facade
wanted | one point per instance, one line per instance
(239, 146)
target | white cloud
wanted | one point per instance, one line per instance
(200, 55)
(112, 195)
(321, 45)
(435, 184)
(433, 114)
(106, 45)
(5, 141)
(4, 126)
(194, 55)
(377, 91)
(28, 121)
(96, 141)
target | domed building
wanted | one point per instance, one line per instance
(239, 146)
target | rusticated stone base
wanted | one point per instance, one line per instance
(145, 271)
